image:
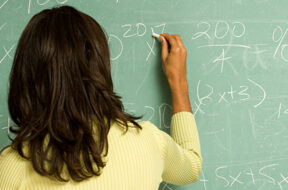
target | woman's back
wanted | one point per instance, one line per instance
(71, 128)
(137, 159)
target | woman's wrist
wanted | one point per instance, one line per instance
(177, 86)
(180, 96)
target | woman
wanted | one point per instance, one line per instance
(71, 130)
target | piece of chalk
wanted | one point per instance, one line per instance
(156, 35)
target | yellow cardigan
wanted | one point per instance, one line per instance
(139, 159)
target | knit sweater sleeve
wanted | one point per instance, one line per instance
(180, 151)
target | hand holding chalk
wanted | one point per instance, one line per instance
(156, 35)
(174, 64)
(173, 58)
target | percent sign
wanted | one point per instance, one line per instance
(279, 39)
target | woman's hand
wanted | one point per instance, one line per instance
(174, 65)
(174, 59)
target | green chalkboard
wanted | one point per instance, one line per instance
(237, 69)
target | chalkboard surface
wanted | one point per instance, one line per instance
(237, 69)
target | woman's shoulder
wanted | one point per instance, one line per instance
(148, 126)
(6, 152)
(10, 158)
(8, 155)
(148, 130)
(11, 168)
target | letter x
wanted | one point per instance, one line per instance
(166, 187)
(151, 49)
(235, 179)
(222, 97)
(7, 53)
(285, 179)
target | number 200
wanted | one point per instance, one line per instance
(221, 30)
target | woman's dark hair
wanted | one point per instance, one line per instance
(61, 95)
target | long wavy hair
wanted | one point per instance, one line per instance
(61, 95)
